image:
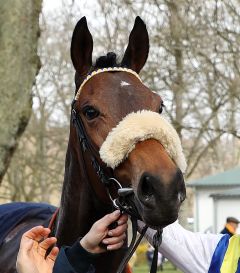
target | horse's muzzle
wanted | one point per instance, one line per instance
(159, 199)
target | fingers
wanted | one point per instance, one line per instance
(109, 219)
(44, 245)
(115, 246)
(34, 234)
(119, 230)
(118, 234)
(53, 254)
(123, 219)
(37, 233)
(47, 243)
(114, 240)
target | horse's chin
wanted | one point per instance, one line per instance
(156, 221)
(157, 218)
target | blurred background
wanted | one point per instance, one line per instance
(193, 64)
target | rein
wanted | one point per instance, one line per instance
(125, 200)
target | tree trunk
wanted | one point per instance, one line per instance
(19, 64)
(178, 85)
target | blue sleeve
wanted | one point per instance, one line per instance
(74, 259)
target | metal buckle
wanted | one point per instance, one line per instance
(115, 204)
(116, 181)
(109, 194)
(123, 192)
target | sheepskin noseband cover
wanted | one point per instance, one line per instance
(136, 127)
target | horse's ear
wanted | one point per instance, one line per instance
(82, 47)
(138, 46)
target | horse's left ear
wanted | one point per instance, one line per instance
(138, 46)
(81, 47)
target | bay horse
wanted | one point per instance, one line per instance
(105, 99)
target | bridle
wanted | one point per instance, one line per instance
(124, 201)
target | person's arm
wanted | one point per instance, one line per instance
(74, 259)
(79, 257)
(189, 251)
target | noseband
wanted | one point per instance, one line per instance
(124, 202)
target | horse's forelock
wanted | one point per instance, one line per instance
(108, 60)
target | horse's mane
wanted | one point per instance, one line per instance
(109, 60)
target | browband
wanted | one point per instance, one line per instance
(101, 70)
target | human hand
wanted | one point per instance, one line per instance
(31, 256)
(100, 230)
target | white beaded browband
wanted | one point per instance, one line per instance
(109, 69)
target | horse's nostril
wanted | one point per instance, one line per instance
(147, 189)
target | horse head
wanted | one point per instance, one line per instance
(112, 102)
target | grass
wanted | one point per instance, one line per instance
(167, 268)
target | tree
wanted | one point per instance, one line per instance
(19, 30)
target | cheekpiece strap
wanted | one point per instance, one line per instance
(109, 69)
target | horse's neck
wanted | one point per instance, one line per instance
(78, 209)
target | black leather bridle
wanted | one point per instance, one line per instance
(125, 199)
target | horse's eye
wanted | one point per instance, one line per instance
(161, 108)
(90, 112)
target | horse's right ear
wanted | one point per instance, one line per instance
(82, 47)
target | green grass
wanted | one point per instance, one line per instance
(167, 268)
